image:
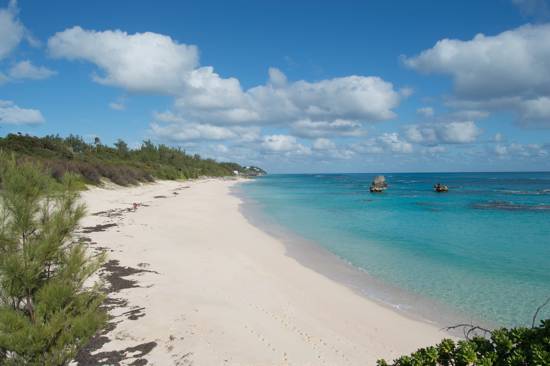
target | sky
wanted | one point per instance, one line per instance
(293, 87)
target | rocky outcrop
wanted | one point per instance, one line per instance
(378, 184)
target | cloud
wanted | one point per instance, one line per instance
(459, 132)
(435, 150)
(501, 150)
(26, 70)
(505, 71)
(12, 31)
(536, 110)
(171, 127)
(392, 142)
(325, 148)
(151, 62)
(385, 143)
(521, 150)
(10, 113)
(352, 97)
(509, 63)
(141, 62)
(276, 77)
(222, 100)
(323, 144)
(117, 106)
(210, 107)
(191, 131)
(425, 111)
(338, 127)
(406, 91)
(284, 144)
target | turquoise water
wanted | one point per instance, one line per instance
(483, 248)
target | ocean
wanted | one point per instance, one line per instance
(481, 250)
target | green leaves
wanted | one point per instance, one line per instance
(506, 347)
(46, 314)
(120, 164)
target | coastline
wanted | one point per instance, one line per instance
(206, 286)
(316, 257)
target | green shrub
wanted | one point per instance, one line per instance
(505, 347)
(120, 164)
(46, 313)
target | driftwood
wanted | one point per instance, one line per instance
(472, 329)
(468, 329)
(538, 310)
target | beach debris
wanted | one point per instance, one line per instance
(115, 275)
(97, 228)
(441, 187)
(378, 184)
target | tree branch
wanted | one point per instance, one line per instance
(538, 310)
(468, 329)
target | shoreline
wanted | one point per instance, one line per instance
(316, 257)
(197, 283)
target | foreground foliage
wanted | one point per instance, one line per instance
(46, 314)
(505, 347)
(119, 163)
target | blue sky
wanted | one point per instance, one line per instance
(347, 86)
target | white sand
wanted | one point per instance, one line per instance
(226, 293)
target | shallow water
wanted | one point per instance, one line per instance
(482, 249)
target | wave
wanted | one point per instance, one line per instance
(509, 206)
(540, 192)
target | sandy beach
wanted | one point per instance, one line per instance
(195, 283)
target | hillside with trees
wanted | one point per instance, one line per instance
(119, 163)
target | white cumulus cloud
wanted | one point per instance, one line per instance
(191, 131)
(323, 144)
(388, 142)
(151, 62)
(171, 127)
(10, 113)
(510, 63)
(210, 97)
(338, 127)
(284, 144)
(458, 132)
(393, 142)
(12, 31)
(521, 150)
(425, 111)
(505, 71)
(141, 62)
(26, 70)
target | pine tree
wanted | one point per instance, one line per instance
(46, 312)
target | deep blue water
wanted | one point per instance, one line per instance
(483, 248)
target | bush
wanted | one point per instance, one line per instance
(120, 164)
(86, 170)
(46, 314)
(505, 347)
